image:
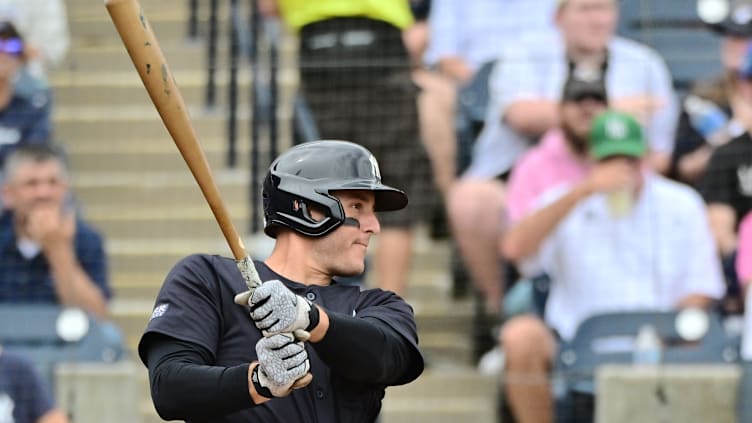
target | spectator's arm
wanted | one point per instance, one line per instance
(722, 218)
(703, 278)
(73, 286)
(53, 416)
(525, 238)
(268, 7)
(662, 125)
(532, 117)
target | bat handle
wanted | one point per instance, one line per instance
(248, 270)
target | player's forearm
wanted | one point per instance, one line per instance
(184, 389)
(72, 285)
(364, 350)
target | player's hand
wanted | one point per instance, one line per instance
(275, 309)
(283, 366)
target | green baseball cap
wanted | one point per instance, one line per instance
(616, 134)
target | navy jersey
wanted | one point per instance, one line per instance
(196, 304)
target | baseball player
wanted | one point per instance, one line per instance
(219, 353)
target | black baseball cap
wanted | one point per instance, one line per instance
(584, 83)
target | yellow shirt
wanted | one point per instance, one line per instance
(298, 13)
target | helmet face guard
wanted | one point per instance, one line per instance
(306, 175)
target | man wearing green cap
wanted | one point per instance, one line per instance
(615, 242)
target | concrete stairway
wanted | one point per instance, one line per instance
(134, 187)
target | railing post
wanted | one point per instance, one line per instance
(192, 19)
(232, 88)
(211, 93)
(255, 114)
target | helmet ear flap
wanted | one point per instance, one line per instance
(293, 210)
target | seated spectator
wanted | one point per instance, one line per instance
(525, 89)
(726, 184)
(25, 105)
(24, 396)
(617, 241)
(463, 37)
(706, 120)
(560, 159)
(47, 253)
(44, 25)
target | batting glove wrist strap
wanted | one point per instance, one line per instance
(313, 316)
(256, 378)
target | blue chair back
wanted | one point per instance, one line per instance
(31, 330)
(673, 28)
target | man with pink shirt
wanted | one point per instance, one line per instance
(561, 158)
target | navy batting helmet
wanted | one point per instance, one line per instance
(306, 174)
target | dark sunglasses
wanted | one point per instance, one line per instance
(13, 46)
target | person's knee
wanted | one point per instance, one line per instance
(475, 202)
(526, 342)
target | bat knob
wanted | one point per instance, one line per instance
(243, 297)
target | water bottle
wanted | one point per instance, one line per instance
(708, 119)
(648, 346)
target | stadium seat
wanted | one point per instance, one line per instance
(49, 335)
(677, 33)
(609, 339)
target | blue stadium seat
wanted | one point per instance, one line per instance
(673, 28)
(577, 360)
(34, 332)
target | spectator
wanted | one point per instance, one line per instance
(47, 253)
(616, 242)
(44, 24)
(24, 397)
(25, 106)
(463, 37)
(726, 184)
(356, 77)
(525, 90)
(706, 119)
(560, 159)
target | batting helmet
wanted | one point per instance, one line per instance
(306, 174)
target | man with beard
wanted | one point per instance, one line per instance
(47, 254)
(616, 241)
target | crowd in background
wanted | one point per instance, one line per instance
(589, 168)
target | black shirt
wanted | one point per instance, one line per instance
(728, 178)
(196, 306)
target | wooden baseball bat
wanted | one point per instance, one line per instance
(147, 57)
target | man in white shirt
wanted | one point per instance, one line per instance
(633, 240)
(525, 89)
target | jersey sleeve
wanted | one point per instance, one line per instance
(389, 308)
(188, 306)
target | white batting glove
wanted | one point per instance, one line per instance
(283, 366)
(275, 309)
